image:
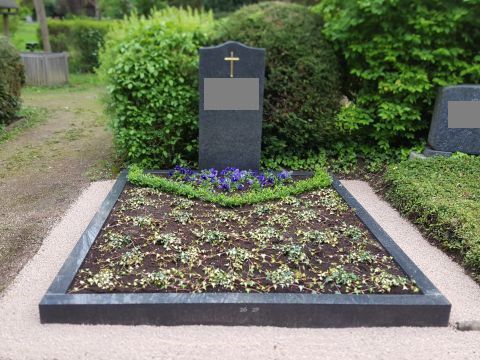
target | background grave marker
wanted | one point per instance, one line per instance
(456, 121)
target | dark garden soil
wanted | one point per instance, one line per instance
(310, 243)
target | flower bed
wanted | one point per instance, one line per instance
(154, 241)
(192, 185)
(155, 257)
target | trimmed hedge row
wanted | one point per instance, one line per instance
(442, 195)
(82, 38)
(12, 78)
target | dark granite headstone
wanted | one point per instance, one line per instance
(456, 121)
(231, 84)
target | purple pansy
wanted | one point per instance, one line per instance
(230, 178)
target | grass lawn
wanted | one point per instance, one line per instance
(442, 195)
(25, 33)
(77, 82)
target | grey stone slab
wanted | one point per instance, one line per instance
(456, 127)
(415, 155)
(429, 308)
(429, 152)
(231, 106)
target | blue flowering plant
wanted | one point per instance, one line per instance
(230, 179)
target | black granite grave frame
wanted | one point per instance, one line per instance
(430, 308)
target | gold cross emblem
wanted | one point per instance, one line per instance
(231, 58)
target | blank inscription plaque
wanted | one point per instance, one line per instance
(464, 114)
(231, 94)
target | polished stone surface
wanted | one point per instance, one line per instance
(450, 139)
(230, 124)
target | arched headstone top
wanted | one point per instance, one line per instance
(232, 59)
(231, 42)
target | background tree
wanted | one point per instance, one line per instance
(42, 20)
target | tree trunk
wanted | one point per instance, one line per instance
(5, 25)
(98, 14)
(42, 20)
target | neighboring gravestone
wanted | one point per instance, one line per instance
(456, 121)
(231, 83)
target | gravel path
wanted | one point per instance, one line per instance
(44, 169)
(23, 337)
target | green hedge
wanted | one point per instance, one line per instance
(151, 67)
(11, 80)
(442, 195)
(398, 53)
(303, 82)
(81, 38)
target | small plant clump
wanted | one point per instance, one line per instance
(307, 243)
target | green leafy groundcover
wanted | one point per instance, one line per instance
(442, 195)
(138, 177)
(398, 53)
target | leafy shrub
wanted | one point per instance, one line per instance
(151, 66)
(11, 80)
(81, 37)
(398, 54)
(302, 89)
(442, 195)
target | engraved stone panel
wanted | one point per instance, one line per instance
(464, 114)
(231, 94)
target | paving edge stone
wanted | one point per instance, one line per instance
(429, 152)
(468, 325)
